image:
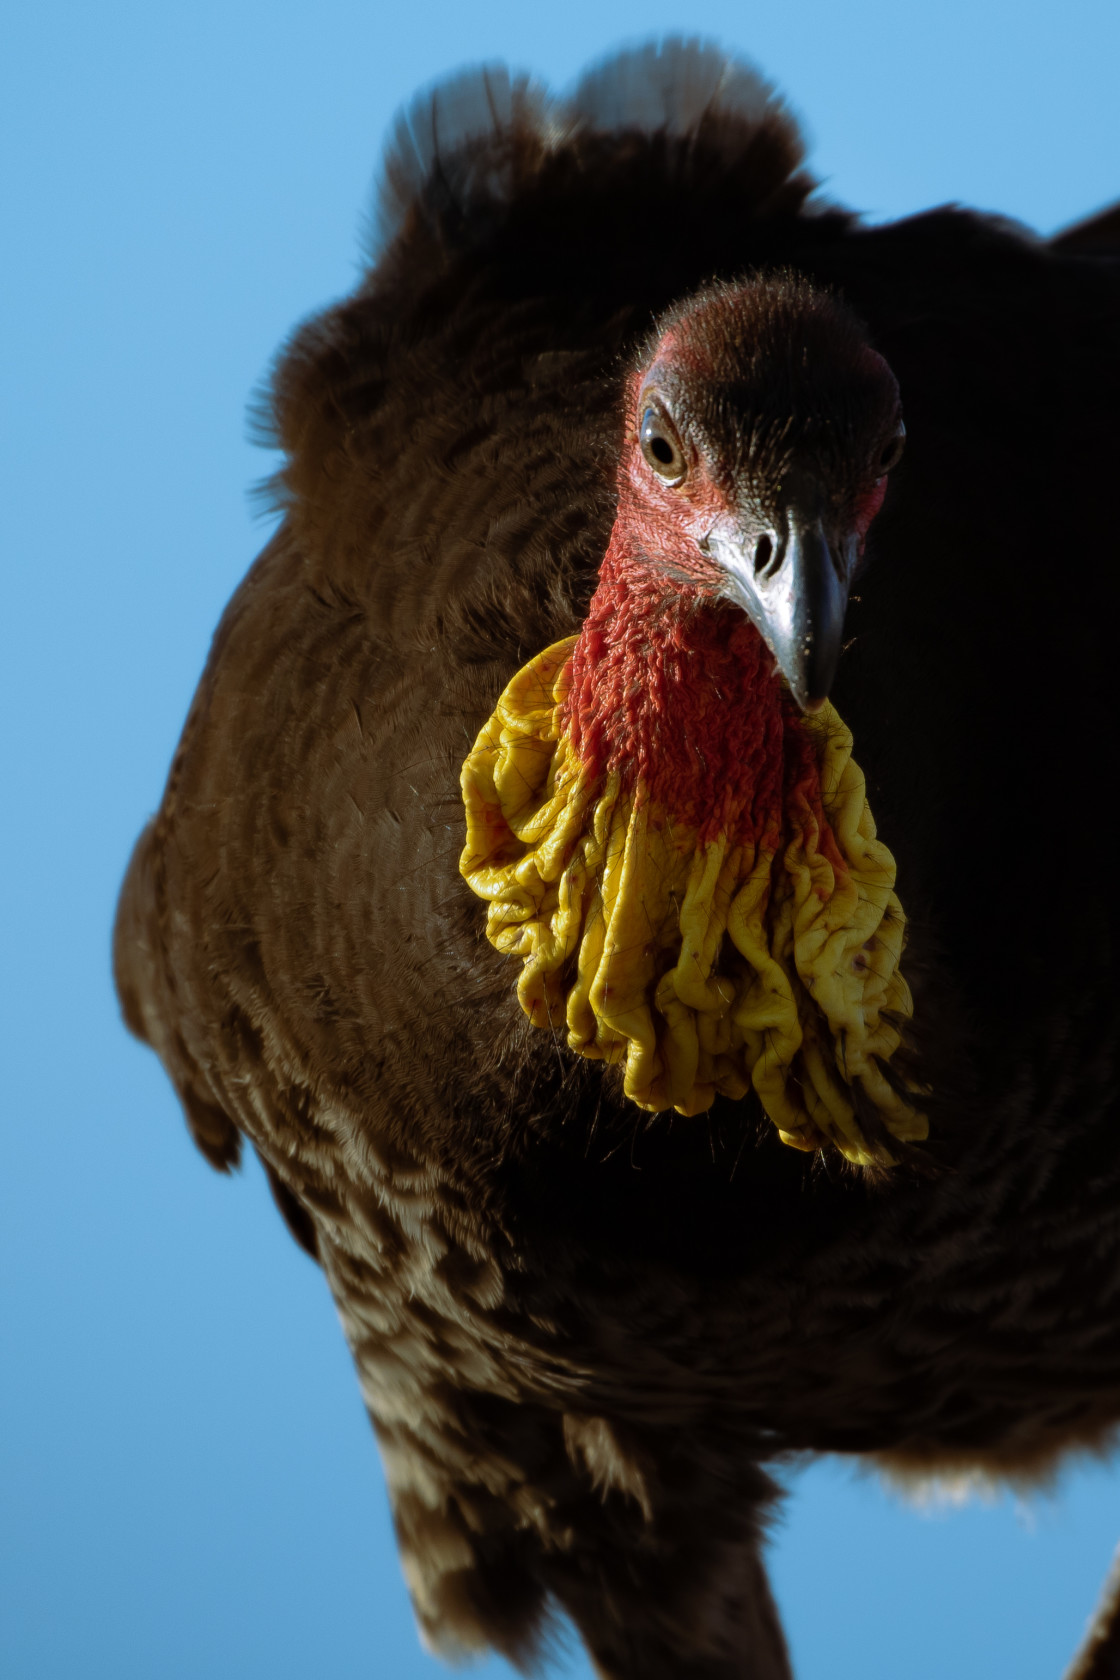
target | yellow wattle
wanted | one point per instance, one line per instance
(705, 968)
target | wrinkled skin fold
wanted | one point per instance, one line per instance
(706, 969)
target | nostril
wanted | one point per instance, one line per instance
(763, 554)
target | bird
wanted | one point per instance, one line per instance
(636, 868)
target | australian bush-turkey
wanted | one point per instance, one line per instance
(520, 893)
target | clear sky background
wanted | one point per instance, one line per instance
(189, 1486)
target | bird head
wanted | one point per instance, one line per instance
(761, 428)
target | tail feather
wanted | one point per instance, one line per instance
(456, 142)
(464, 147)
(670, 86)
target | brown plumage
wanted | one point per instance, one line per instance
(581, 1328)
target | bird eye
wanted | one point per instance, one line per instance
(661, 447)
(891, 453)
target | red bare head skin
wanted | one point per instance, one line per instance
(759, 381)
(685, 703)
(749, 403)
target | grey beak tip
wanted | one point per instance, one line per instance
(797, 602)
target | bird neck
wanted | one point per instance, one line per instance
(675, 691)
(645, 821)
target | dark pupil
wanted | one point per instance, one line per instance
(662, 449)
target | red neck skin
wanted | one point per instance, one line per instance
(675, 690)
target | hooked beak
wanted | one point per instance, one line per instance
(793, 585)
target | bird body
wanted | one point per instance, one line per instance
(583, 1325)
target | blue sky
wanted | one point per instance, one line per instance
(190, 1488)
